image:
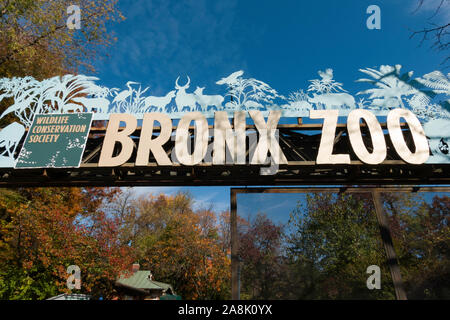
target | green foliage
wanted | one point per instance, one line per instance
(421, 234)
(331, 239)
(334, 239)
(34, 34)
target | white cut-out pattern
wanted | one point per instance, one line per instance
(426, 96)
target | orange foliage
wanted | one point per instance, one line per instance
(181, 246)
(48, 229)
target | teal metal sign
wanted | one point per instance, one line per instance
(55, 141)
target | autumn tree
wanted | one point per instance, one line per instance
(35, 39)
(45, 230)
(178, 244)
(261, 256)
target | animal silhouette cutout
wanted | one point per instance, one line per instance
(183, 99)
(159, 103)
(100, 105)
(330, 100)
(231, 79)
(208, 100)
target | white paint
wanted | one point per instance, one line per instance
(376, 135)
(147, 144)
(325, 154)
(422, 151)
(113, 135)
(182, 139)
(267, 142)
(225, 136)
(333, 100)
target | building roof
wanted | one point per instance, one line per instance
(141, 280)
(73, 296)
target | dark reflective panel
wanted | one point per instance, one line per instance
(311, 246)
(420, 229)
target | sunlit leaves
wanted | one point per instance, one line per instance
(44, 230)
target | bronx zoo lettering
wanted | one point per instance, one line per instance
(234, 138)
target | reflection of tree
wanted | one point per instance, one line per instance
(421, 234)
(334, 239)
(389, 84)
(260, 246)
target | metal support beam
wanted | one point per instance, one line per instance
(235, 261)
(386, 237)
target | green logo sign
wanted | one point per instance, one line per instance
(55, 141)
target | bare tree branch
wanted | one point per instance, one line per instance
(418, 7)
(437, 9)
(437, 32)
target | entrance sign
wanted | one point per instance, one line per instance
(55, 141)
(325, 155)
(396, 128)
(379, 151)
(201, 139)
(419, 156)
(267, 142)
(422, 151)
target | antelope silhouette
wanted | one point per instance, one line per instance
(159, 102)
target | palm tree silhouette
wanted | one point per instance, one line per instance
(389, 83)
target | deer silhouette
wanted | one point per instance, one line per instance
(183, 99)
(208, 100)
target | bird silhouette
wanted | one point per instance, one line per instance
(232, 78)
(122, 96)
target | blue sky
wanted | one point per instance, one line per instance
(283, 43)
